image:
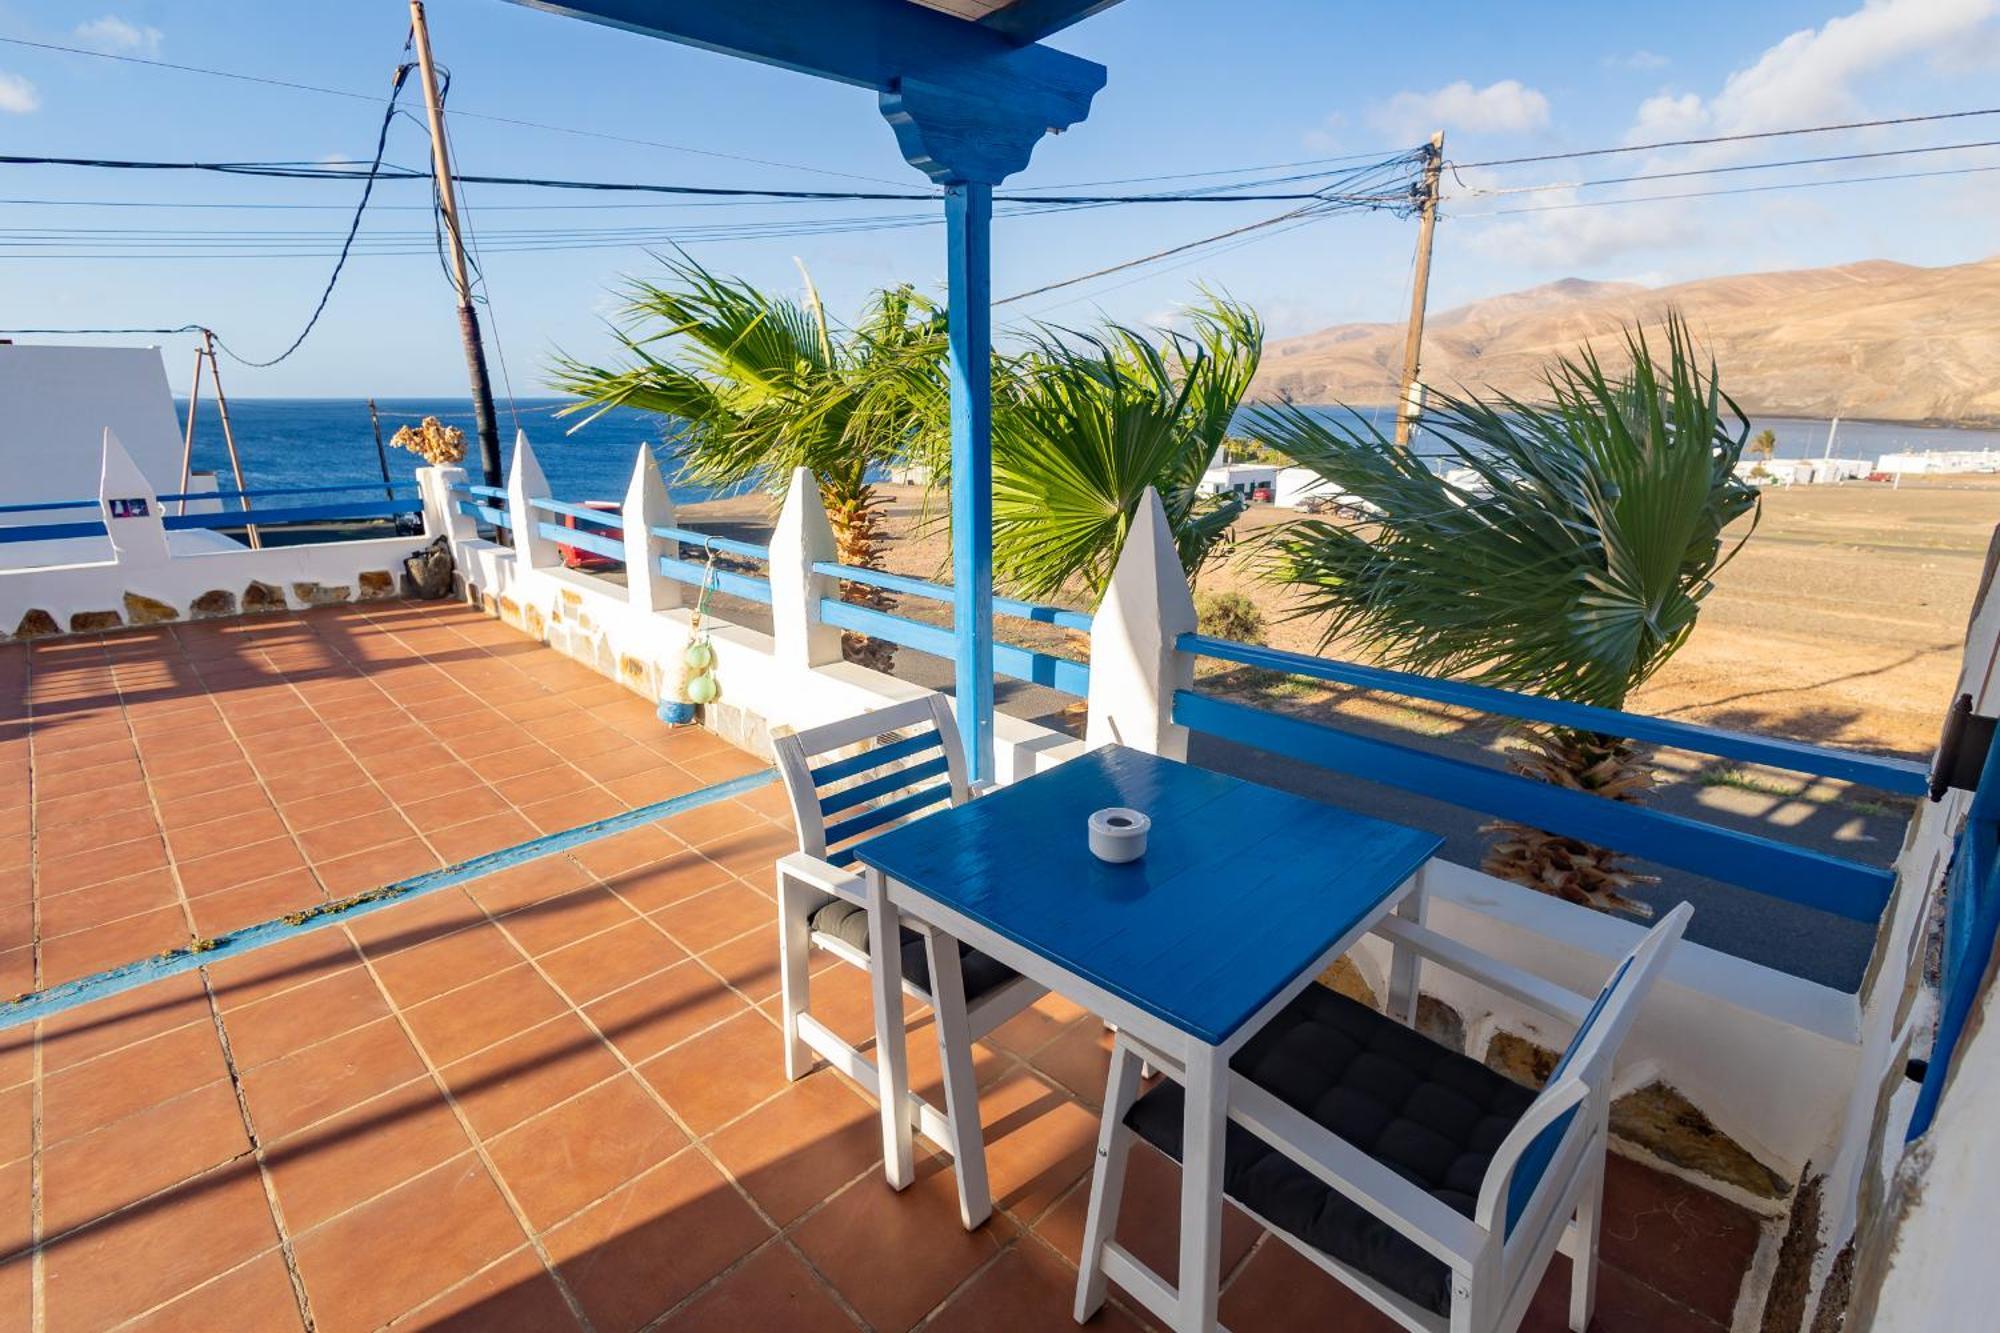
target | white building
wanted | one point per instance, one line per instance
(1240, 479)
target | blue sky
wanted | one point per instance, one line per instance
(1195, 86)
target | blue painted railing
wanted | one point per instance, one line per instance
(47, 532)
(472, 508)
(1057, 673)
(727, 545)
(263, 518)
(263, 491)
(745, 586)
(52, 504)
(599, 543)
(244, 515)
(1900, 776)
(1814, 879)
(1971, 927)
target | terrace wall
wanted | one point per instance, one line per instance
(135, 571)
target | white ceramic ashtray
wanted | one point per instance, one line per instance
(1118, 835)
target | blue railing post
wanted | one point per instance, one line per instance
(969, 226)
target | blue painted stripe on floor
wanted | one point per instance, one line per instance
(114, 981)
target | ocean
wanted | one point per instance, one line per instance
(317, 441)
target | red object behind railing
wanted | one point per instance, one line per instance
(589, 560)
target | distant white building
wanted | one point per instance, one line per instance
(1241, 480)
(1804, 471)
(1941, 460)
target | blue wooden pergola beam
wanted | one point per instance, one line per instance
(1032, 20)
(869, 43)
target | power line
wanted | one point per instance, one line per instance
(1157, 254)
(300, 171)
(1489, 192)
(353, 227)
(1732, 138)
(293, 86)
(1740, 189)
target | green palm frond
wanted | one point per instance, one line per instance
(1084, 423)
(1575, 565)
(758, 385)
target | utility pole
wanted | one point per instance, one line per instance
(381, 455)
(468, 318)
(228, 435)
(1413, 346)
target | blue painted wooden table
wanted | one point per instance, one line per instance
(1241, 887)
(1244, 895)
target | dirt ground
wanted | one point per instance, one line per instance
(1839, 622)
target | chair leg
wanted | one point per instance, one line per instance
(885, 974)
(1107, 1182)
(795, 974)
(961, 1085)
(1583, 1263)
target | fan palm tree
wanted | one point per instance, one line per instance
(758, 385)
(1572, 563)
(1084, 423)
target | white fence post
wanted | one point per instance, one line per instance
(1135, 666)
(130, 508)
(442, 516)
(802, 537)
(525, 482)
(647, 506)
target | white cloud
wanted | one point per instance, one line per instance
(1640, 60)
(112, 33)
(1665, 116)
(1810, 75)
(1814, 75)
(17, 95)
(1506, 107)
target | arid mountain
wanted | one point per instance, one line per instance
(1876, 339)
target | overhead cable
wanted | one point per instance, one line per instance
(1732, 138)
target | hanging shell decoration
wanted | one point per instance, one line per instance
(433, 441)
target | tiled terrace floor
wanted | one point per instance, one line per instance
(550, 1099)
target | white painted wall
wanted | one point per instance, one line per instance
(57, 402)
(1926, 1250)
(140, 556)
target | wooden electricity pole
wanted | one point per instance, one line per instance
(468, 318)
(1413, 345)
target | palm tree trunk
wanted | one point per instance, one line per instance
(855, 511)
(1566, 867)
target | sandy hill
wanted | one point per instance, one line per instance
(1874, 339)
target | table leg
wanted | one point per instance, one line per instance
(1207, 1116)
(1404, 963)
(961, 1086)
(885, 974)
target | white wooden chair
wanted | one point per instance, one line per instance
(1432, 1186)
(913, 764)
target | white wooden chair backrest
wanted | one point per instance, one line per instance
(912, 762)
(1540, 1154)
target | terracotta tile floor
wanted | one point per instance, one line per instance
(552, 1098)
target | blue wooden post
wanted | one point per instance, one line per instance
(968, 103)
(969, 227)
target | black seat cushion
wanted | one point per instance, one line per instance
(1431, 1115)
(844, 921)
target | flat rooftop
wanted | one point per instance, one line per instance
(551, 1097)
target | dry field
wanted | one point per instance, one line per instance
(1840, 621)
